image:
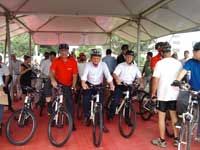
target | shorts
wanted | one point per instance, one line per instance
(166, 105)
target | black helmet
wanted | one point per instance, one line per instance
(158, 45)
(124, 47)
(95, 52)
(196, 46)
(165, 46)
(129, 52)
(63, 46)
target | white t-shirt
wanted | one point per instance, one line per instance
(167, 70)
(45, 66)
(94, 74)
(127, 72)
(3, 71)
(15, 67)
(81, 67)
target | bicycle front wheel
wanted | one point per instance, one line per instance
(97, 126)
(21, 127)
(127, 121)
(59, 128)
(185, 136)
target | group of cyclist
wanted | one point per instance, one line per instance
(161, 71)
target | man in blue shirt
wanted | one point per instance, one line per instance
(110, 60)
(193, 65)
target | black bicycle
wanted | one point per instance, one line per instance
(60, 122)
(22, 124)
(127, 113)
(96, 114)
(189, 118)
(148, 109)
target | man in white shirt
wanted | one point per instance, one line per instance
(45, 69)
(14, 68)
(4, 83)
(94, 72)
(165, 72)
(125, 72)
(186, 57)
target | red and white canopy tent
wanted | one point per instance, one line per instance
(92, 22)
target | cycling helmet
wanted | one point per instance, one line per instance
(129, 52)
(165, 47)
(158, 45)
(63, 46)
(95, 52)
(196, 46)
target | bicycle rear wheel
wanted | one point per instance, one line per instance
(127, 121)
(59, 128)
(21, 127)
(97, 126)
(145, 113)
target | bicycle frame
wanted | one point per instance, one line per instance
(94, 103)
(127, 92)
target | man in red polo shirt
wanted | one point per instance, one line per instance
(158, 57)
(64, 71)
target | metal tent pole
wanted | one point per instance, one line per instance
(5, 49)
(30, 44)
(8, 38)
(138, 41)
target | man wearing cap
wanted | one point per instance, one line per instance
(125, 72)
(93, 74)
(64, 71)
(121, 57)
(165, 72)
(158, 57)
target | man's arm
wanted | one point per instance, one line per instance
(74, 80)
(52, 77)
(154, 86)
(181, 74)
(116, 77)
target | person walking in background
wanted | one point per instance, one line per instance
(110, 60)
(146, 72)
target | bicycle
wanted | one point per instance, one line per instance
(20, 120)
(189, 118)
(96, 114)
(148, 109)
(60, 122)
(127, 114)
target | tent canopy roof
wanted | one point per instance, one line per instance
(92, 22)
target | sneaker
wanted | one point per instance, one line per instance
(159, 143)
(176, 141)
(197, 139)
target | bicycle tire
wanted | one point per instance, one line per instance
(97, 126)
(144, 113)
(182, 138)
(8, 124)
(51, 121)
(131, 120)
(189, 135)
